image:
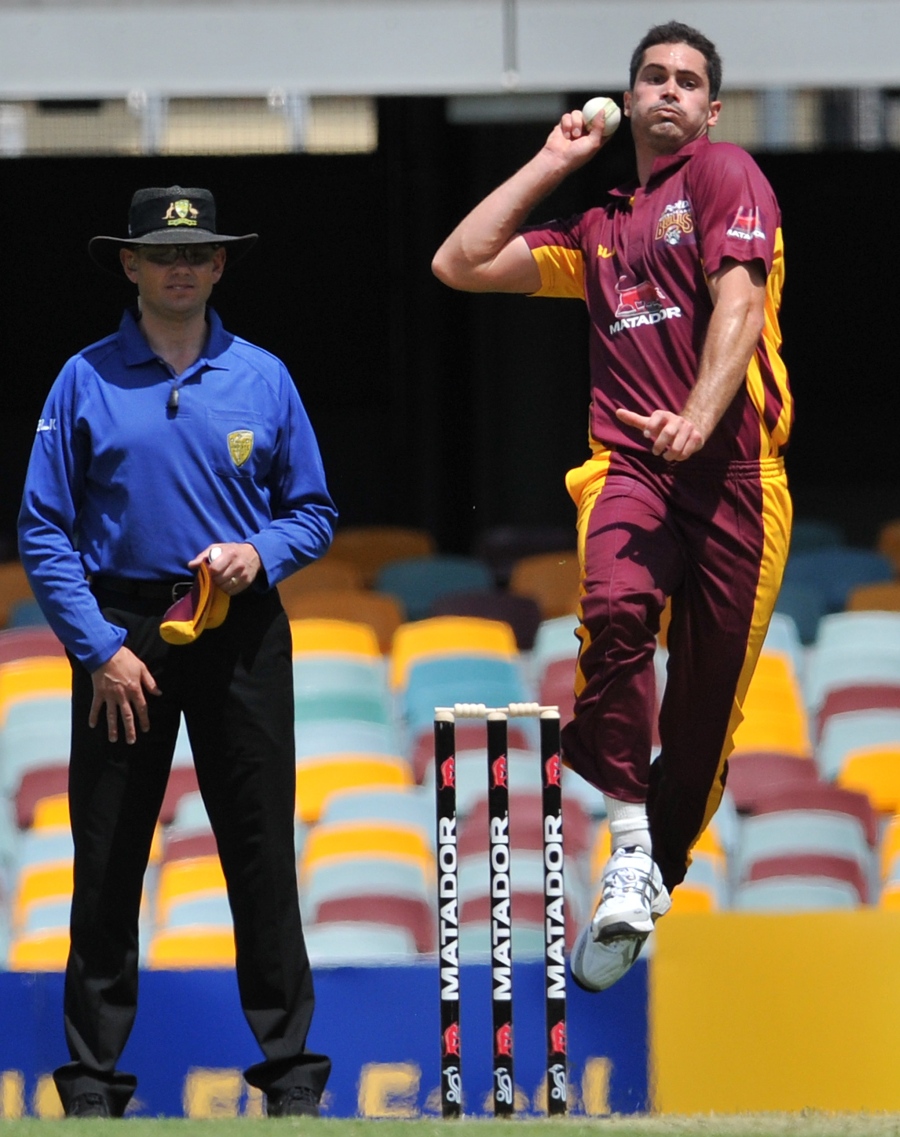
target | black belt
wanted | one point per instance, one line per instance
(170, 590)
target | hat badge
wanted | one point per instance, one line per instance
(181, 212)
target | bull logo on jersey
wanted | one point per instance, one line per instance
(676, 222)
(240, 446)
(746, 225)
(638, 299)
(181, 212)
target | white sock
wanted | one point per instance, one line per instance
(628, 824)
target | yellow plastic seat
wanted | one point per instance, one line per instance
(33, 678)
(552, 579)
(347, 637)
(320, 775)
(51, 812)
(352, 839)
(43, 880)
(191, 947)
(875, 770)
(774, 715)
(889, 845)
(448, 635)
(44, 950)
(190, 876)
(376, 609)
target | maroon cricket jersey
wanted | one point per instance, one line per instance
(641, 264)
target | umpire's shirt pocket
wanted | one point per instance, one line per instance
(239, 443)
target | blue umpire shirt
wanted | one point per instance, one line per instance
(119, 483)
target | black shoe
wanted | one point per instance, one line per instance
(88, 1105)
(298, 1101)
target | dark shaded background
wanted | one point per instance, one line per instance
(437, 409)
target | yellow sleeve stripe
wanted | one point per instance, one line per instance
(562, 271)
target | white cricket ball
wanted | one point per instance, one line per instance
(613, 116)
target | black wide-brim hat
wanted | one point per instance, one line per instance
(169, 216)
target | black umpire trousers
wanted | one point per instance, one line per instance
(234, 687)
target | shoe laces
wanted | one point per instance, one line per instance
(622, 878)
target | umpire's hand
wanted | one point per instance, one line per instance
(119, 687)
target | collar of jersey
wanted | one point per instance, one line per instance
(136, 350)
(664, 165)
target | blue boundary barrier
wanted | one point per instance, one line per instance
(379, 1024)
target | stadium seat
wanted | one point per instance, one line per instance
(502, 545)
(555, 640)
(346, 637)
(857, 697)
(887, 542)
(417, 582)
(551, 579)
(805, 602)
(522, 613)
(442, 637)
(325, 574)
(320, 775)
(837, 570)
(460, 679)
(882, 597)
(757, 774)
(25, 643)
(774, 717)
(471, 734)
(190, 948)
(794, 894)
(369, 547)
(14, 586)
(853, 731)
(343, 943)
(341, 840)
(382, 613)
(815, 533)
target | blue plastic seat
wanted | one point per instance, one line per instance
(409, 804)
(805, 603)
(344, 736)
(837, 570)
(418, 582)
(342, 943)
(815, 533)
(794, 894)
(444, 681)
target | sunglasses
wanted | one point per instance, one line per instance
(169, 254)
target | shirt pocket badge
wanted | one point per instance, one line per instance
(240, 446)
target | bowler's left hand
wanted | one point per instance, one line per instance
(674, 437)
(233, 567)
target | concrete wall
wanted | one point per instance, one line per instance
(235, 47)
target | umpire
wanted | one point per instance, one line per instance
(168, 449)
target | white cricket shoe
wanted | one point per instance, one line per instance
(596, 966)
(632, 897)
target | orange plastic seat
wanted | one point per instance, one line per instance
(881, 597)
(552, 579)
(328, 572)
(368, 547)
(14, 587)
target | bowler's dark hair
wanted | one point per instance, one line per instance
(674, 32)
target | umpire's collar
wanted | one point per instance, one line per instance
(136, 351)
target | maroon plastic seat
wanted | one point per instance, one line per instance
(526, 826)
(522, 613)
(527, 908)
(557, 688)
(756, 774)
(181, 848)
(864, 697)
(395, 911)
(22, 643)
(470, 735)
(822, 796)
(39, 782)
(182, 780)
